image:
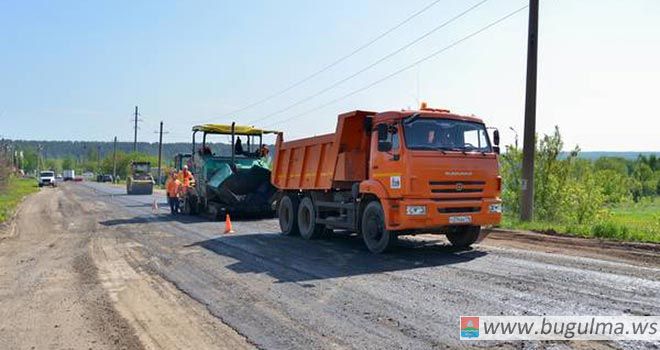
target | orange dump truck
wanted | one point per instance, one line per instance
(389, 174)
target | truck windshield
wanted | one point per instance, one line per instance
(47, 174)
(445, 135)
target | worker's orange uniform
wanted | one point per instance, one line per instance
(186, 178)
(172, 187)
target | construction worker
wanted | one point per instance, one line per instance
(265, 157)
(173, 188)
(238, 146)
(186, 178)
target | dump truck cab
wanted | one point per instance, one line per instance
(432, 169)
(230, 179)
(389, 174)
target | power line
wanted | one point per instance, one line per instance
(401, 70)
(337, 61)
(382, 59)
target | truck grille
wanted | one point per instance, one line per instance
(458, 196)
(457, 186)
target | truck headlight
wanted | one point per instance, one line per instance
(416, 210)
(495, 208)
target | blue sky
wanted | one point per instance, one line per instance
(75, 69)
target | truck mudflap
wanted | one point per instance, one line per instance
(485, 231)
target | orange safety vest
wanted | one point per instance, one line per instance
(172, 187)
(186, 179)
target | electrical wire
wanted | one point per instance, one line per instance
(401, 70)
(382, 59)
(337, 61)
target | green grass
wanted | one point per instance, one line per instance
(626, 222)
(12, 194)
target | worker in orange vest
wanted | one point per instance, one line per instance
(173, 188)
(186, 178)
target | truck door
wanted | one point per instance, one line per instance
(386, 158)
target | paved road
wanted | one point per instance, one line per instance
(286, 293)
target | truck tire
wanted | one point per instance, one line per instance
(287, 212)
(376, 237)
(307, 225)
(463, 236)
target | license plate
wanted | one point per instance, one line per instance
(462, 219)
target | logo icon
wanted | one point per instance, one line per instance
(469, 327)
(395, 182)
(459, 186)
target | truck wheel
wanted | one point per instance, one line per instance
(307, 225)
(374, 234)
(287, 212)
(463, 236)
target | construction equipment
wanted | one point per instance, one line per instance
(181, 159)
(389, 174)
(235, 180)
(140, 180)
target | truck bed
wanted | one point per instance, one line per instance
(326, 161)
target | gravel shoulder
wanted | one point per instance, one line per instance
(66, 283)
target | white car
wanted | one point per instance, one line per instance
(47, 178)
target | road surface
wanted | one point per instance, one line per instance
(85, 266)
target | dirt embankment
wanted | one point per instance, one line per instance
(50, 296)
(645, 254)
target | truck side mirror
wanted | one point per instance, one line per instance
(383, 144)
(496, 137)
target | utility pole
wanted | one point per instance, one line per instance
(160, 151)
(135, 127)
(98, 158)
(114, 160)
(40, 149)
(529, 142)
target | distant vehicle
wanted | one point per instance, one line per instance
(88, 175)
(69, 175)
(140, 180)
(104, 178)
(58, 177)
(390, 174)
(47, 178)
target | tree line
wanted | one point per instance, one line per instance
(572, 190)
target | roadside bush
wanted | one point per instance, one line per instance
(610, 230)
(615, 186)
(609, 198)
(565, 189)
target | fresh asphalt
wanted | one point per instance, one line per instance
(287, 293)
